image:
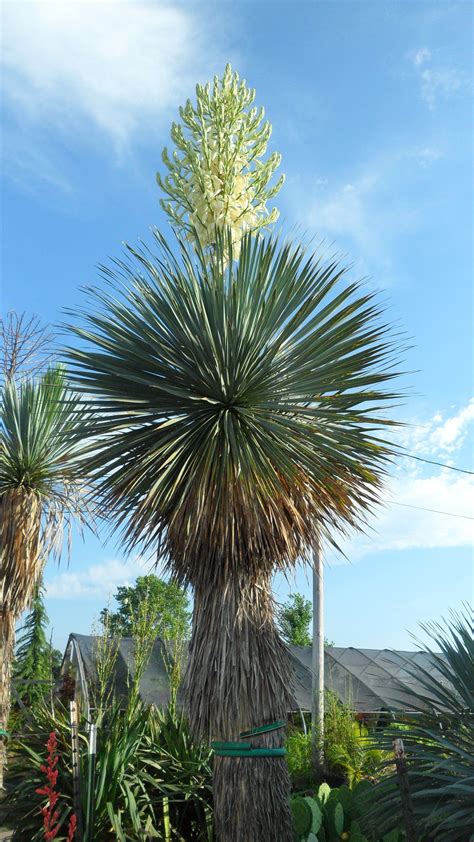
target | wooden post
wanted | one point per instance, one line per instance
(76, 780)
(404, 786)
(317, 717)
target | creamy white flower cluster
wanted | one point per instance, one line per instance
(216, 179)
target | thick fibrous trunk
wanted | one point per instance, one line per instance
(20, 519)
(239, 678)
(7, 629)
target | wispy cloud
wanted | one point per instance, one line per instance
(402, 522)
(368, 212)
(436, 80)
(95, 581)
(420, 56)
(441, 434)
(32, 166)
(425, 156)
(400, 527)
(103, 71)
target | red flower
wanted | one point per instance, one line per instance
(71, 831)
(50, 815)
(48, 812)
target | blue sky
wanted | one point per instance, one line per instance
(370, 105)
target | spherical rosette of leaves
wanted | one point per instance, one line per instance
(237, 402)
(216, 176)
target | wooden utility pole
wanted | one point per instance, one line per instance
(317, 717)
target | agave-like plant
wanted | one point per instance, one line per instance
(152, 780)
(438, 739)
(42, 490)
(237, 419)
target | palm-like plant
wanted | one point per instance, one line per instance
(438, 739)
(41, 491)
(237, 415)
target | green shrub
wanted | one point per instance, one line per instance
(152, 781)
(349, 753)
(298, 746)
(348, 749)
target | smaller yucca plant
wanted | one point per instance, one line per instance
(42, 491)
(438, 739)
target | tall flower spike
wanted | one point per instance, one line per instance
(216, 176)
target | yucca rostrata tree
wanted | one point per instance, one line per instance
(41, 491)
(238, 404)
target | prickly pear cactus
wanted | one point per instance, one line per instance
(334, 816)
(323, 817)
(346, 799)
(322, 837)
(302, 816)
(338, 819)
(316, 813)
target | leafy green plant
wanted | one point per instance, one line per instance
(294, 618)
(438, 739)
(235, 425)
(348, 749)
(298, 746)
(152, 780)
(34, 657)
(329, 815)
(349, 753)
(105, 654)
(171, 616)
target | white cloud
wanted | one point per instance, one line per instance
(367, 213)
(441, 434)
(399, 527)
(442, 82)
(450, 434)
(425, 155)
(95, 581)
(435, 80)
(113, 66)
(420, 56)
(396, 525)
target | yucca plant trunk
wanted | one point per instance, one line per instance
(239, 678)
(20, 519)
(7, 628)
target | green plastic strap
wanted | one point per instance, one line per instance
(249, 752)
(239, 749)
(272, 726)
(4, 733)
